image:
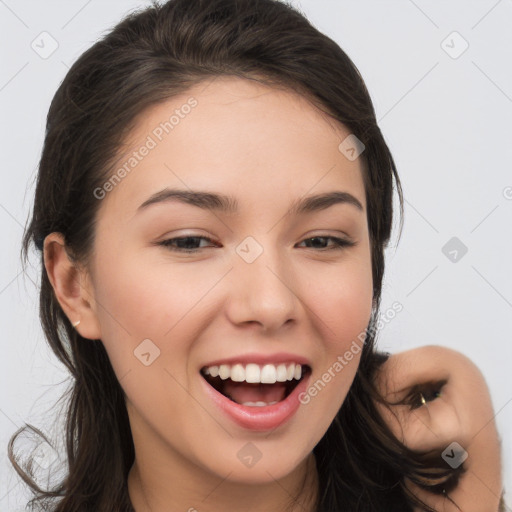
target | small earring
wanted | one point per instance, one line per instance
(76, 323)
(423, 401)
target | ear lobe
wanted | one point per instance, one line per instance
(71, 286)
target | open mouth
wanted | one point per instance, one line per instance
(255, 394)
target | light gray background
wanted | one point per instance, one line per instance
(447, 121)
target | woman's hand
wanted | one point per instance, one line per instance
(462, 412)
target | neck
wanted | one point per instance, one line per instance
(297, 492)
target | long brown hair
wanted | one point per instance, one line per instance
(150, 56)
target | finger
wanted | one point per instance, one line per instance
(432, 426)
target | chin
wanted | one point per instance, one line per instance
(269, 467)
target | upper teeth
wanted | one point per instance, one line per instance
(253, 373)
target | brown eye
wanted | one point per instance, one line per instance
(338, 243)
(187, 244)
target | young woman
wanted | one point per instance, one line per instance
(213, 202)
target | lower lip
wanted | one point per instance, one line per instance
(263, 418)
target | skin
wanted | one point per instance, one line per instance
(463, 413)
(267, 147)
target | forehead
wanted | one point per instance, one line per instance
(253, 141)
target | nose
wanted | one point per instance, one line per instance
(263, 292)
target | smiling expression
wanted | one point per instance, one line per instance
(276, 274)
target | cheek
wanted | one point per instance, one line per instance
(140, 300)
(143, 318)
(144, 298)
(133, 305)
(342, 300)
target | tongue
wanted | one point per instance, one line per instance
(242, 392)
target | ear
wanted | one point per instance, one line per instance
(72, 287)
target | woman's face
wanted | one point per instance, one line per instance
(271, 286)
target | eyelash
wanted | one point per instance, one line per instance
(338, 244)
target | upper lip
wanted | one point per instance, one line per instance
(261, 359)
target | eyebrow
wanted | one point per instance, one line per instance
(228, 204)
